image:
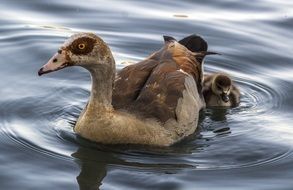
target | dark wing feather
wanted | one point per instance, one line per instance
(195, 43)
(129, 82)
(159, 97)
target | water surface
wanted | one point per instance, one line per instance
(39, 149)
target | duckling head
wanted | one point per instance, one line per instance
(81, 49)
(221, 86)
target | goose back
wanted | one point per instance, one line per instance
(153, 87)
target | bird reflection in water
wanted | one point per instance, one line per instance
(93, 167)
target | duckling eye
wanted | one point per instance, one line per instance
(81, 46)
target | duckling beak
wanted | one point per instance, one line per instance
(57, 62)
(225, 97)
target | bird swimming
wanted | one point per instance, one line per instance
(219, 91)
(153, 102)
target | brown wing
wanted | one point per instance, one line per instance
(130, 80)
(153, 87)
(159, 97)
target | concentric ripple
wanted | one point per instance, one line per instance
(47, 128)
(250, 143)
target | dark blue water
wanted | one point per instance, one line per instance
(39, 150)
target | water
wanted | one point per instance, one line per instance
(39, 149)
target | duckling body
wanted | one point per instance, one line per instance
(219, 91)
(154, 102)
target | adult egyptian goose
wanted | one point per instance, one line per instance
(219, 91)
(155, 102)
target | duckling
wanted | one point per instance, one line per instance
(219, 91)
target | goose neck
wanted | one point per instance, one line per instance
(102, 84)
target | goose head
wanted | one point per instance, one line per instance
(221, 86)
(82, 49)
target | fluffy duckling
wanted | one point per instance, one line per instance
(219, 91)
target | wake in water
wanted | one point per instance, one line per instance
(254, 149)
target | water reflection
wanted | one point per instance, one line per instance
(37, 114)
(217, 114)
(93, 168)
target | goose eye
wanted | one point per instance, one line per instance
(81, 46)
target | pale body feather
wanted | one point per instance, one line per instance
(120, 127)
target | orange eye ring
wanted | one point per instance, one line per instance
(81, 46)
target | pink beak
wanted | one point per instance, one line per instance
(57, 62)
